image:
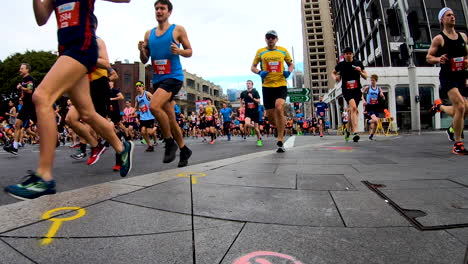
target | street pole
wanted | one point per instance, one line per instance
(413, 84)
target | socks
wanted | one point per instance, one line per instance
(83, 148)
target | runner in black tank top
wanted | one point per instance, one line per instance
(449, 48)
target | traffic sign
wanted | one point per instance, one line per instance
(298, 91)
(422, 45)
(299, 98)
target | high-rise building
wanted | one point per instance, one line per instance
(319, 48)
(233, 95)
(298, 79)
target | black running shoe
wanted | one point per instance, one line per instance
(356, 137)
(280, 146)
(170, 150)
(450, 133)
(185, 154)
(11, 149)
(459, 149)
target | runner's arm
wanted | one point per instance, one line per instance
(290, 66)
(149, 95)
(144, 49)
(183, 39)
(118, 97)
(42, 10)
(103, 59)
(432, 52)
(465, 38)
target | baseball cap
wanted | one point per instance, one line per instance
(348, 49)
(272, 32)
(139, 83)
(442, 12)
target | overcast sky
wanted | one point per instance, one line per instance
(225, 35)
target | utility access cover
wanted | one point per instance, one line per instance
(427, 204)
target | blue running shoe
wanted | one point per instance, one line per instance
(127, 158)
(33, 187)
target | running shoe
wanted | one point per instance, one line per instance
(259, 143)
(280, 146)
(32, 187)
(150, 149)
(96, 154)
(356, 137)
(170, 150)
(11, 149)
(143, 141)
(346, 134)
(76, 145)
(450, 133)
(127, 158)
(321, 134)
(116, 167)
(212, 142)
(78, 155)
(435, 107)
(459, 149)
(185, 154)
(371, 137)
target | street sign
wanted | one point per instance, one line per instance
(298, 91)
(299, 98)
(422, 45)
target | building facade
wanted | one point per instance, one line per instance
(319, 48)
(194, 89)
(363, 25)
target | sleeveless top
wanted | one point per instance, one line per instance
(456, 53)
(143, 105)
(373, 95)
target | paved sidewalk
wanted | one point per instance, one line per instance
(308, 205)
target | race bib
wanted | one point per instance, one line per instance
(373, 101)
(353, 84)
(162, 67)
(274, 66)
(209, 118)
(68, 15)
(322, 113)
(144, 108)
(251, 105)
(458, 64)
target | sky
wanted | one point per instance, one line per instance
(224, 35)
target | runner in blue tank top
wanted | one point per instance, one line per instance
(373, 94)
(78, 55)
(162, 47)
(142, 103)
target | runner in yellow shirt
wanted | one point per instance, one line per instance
(274, 86)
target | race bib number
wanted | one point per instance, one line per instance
(209, 118)
(162, 67)
(458, 64)
(322, 113)
(250, 105)
(68, 15)
(373, 101)
(144, 108)
(353, 84)
(274, 66)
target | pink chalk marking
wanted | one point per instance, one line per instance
(253, 257)
(337, 148)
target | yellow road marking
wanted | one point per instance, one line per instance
(193, 175)
(57, 222)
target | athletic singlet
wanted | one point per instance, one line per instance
(456, 53)
(165, 64)
(373, 95)
(241, 114)
(209, 110)
(127, 112)
(193, 119)
(76, 22)
(143, 105)
(12, 118)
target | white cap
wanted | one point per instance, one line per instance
(442, 12)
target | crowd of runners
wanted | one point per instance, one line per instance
(92, 117)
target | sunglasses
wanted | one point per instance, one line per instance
(270, 37)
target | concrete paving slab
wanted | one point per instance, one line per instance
(442, 206)
(419, 184)
(10, 256)
(366, 209)
(28, 212)
(248, 178)
(265, 205)
(323, 182)
(346, 245)
(211, 245)
(316, 169)
(461, 234)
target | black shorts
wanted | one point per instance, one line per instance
(133, 124)
(209, 124)
(372, 110)
(170, 85)
(270, 94)
(202, 125)
(253, 114)
(27, 113)
(242, 122)
(115, 116)
(447, 84)
(355, 94)
(100, 95)
(88, 57)
(147, 123)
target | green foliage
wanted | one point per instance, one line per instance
(40, 61)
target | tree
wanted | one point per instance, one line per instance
(40, 61)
